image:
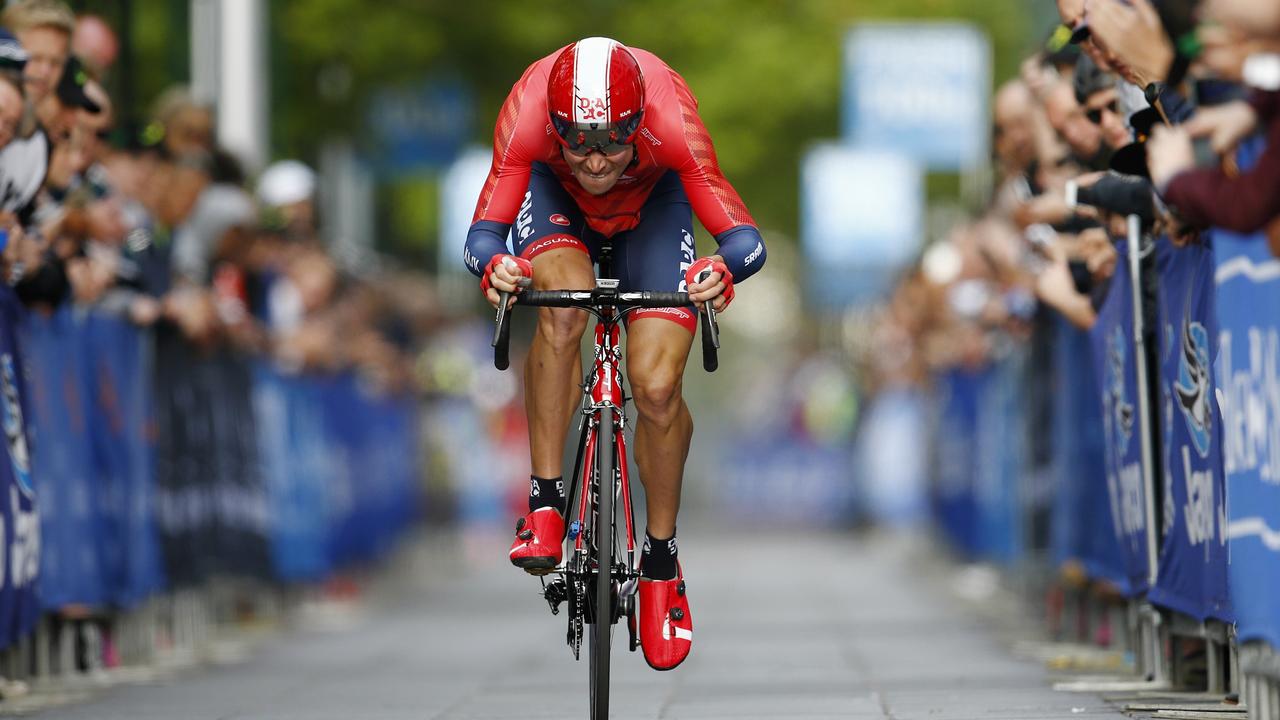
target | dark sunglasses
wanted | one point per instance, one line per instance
(1095, 114)
(608, 139)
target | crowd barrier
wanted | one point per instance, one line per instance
(1205, 495)
(142, 467)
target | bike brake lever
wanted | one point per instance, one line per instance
(502, 334)
(713, 328)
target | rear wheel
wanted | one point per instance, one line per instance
(602, 628)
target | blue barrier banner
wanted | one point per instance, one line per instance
(117, 385)
(297, 468)
(960, 392)
(1193, 552)
(71, 566)
(1248, 381)
(1081, 524)
(94, 457)
(211, 498)
(1116, 369)
(341, 470)
(19, 519)
(1001, 460)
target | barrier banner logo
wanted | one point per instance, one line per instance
(1192, 387)
(1192, 575)
(1122, 410)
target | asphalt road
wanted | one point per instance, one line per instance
(786, 626)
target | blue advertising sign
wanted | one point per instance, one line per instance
(422, 126)
(861, 220)
(1082, 526)
(1193, 551)
(922, 89)
(1247, 374)
(20, 545)
(117, 384)
(1001, 449)
(71, 558)
(955, 467)
(1115, 362)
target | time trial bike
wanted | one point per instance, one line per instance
(596, 582)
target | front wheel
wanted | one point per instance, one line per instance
(602, 628)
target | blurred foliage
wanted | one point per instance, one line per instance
(766, 72)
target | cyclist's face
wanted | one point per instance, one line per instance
(596, 171)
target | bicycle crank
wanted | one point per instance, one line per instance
(627, 609)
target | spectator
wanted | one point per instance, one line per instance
(23, 157)
(182, 127)
(95, 42)
(1212, 196)
(1067, 118)
(219, 208)
(287, 188)
(1097, 93)
(44, 28)
(1131, 38)
(1014, 141)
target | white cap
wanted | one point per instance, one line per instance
(286, 182)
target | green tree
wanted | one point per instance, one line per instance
(767, 73)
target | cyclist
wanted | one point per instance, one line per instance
(598, 140)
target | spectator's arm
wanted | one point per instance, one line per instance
(1265, 104)
(1056, 288)
(1206, 197)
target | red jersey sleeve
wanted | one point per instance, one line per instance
(686, 148)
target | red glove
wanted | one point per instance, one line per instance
(703, 264)
(526, 270)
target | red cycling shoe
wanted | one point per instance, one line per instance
(665, 625)
(538, 536)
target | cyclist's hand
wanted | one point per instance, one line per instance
(717, 287)
(505, 273)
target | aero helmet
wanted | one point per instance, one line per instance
(595, 96)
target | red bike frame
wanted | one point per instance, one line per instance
(606, 389)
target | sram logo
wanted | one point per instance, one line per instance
(754, 254)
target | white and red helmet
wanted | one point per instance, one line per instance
(595, 96)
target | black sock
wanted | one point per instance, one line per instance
(658, 558)
(546, 492)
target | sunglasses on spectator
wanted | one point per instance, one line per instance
(1095, 114)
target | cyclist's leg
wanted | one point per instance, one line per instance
(654, 256)
(551, 232)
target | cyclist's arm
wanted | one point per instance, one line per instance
(742, 249)
(485, 239)
(520, 122)
(714, 200)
